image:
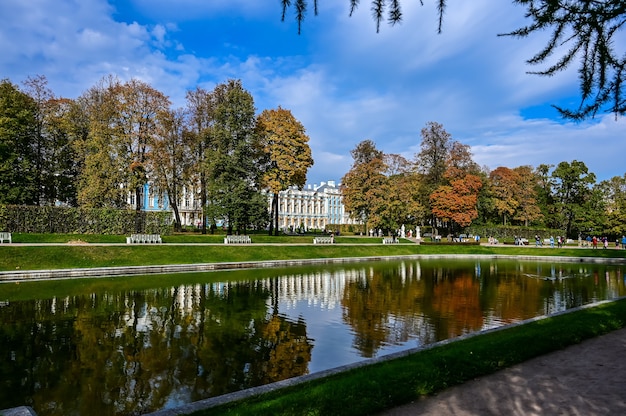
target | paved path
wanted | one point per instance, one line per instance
(586, 379)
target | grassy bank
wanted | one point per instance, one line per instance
(371, 389)
(41, 257)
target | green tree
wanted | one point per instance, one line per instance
(37, 88)
(234, 166)
(103, 177)
(573, 194)
(398, 203)
(287, 155)
(613, 193)
(18, 157)
(391, 9)
(54, 158)
(545, 195)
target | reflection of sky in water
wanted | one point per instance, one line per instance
(346, 312)
(331, 338)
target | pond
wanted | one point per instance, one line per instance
(127, 346)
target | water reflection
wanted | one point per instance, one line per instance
(112, 350)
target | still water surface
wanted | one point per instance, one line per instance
(127, 346)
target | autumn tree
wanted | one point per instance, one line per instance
(362, 187)
(287, 155)
(122, 122)
(528, 210)
(137, 108)
(504, 186)
(456, 200)
(200, 107)
(170, 160)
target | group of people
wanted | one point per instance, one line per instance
(594, 241)
(559, 240)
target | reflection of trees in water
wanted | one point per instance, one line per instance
(132, 352)
(428, 301)
(126, 352)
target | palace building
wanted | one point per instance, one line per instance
(313, 207)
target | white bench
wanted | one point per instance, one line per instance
(144, 239)
(323, 240)
(390, 240)
(5, 236)
(237, 239)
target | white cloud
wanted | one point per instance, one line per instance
(341, 79)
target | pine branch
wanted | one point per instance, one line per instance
(378, 9)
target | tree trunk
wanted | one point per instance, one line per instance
(138, 206)
(275, 217)
(203, 200)
(177, 223)
(272, 209)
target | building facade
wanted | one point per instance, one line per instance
(312, 208)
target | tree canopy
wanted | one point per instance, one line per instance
(286, 153)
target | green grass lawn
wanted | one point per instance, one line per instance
(95, 251)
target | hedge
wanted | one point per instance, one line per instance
(68, 220)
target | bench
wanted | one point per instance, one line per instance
(5, 236)
(237, 239)
(390, 240)
(144, 239)
(323, 240)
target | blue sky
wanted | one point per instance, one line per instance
(342, 80)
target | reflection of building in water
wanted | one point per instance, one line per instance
(324, 289)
